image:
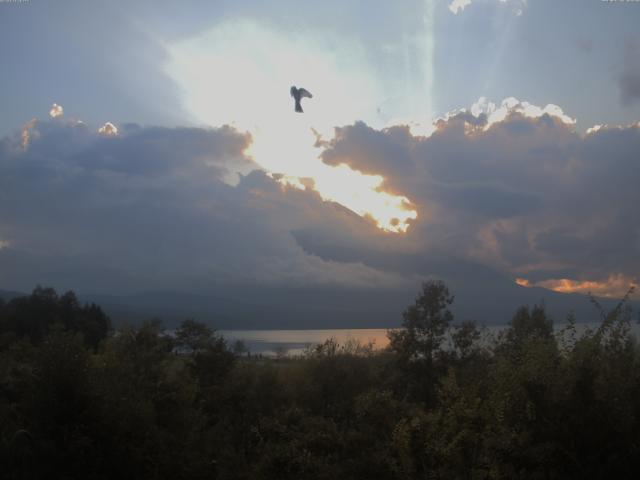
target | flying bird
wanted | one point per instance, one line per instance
(298, 94)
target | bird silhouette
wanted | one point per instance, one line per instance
(298, 94)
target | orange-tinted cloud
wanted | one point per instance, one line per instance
(27, 132)
(615, 286)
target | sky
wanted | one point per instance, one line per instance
(153, 146)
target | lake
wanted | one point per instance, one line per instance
(294, 342)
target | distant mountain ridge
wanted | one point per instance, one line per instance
(300, 308)
(7, 295)
(321, 310)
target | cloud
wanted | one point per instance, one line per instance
(521, 195)
(457, 6)
(27, 132)
(629, 77)
(514, 187)
(56, 111)
(108, 129)
(248, 63)
(497, 113)
(164, 209)
(594, 129)
(614, 286)
(131, 84)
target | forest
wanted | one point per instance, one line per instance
(80, 399)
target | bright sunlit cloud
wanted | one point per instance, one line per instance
(497, 113)
(457, 6)
(356, 191)
(56, 111)
(615, 286)
(108, 129)
(240, 73)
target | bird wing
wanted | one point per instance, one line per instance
(304, 93)
(293, 91)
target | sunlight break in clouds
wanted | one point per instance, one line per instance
(240, 73)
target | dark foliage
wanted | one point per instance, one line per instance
(445, 400)
(35, 315)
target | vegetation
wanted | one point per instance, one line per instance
(78, 400)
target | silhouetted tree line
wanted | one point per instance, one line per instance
(443, 401)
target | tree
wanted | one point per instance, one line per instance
(425, 324)
(34, 316)
(417, 347)
(527, 325)
(466, 338)
(210, 358)
(193, 336)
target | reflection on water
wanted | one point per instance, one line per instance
(294, 342)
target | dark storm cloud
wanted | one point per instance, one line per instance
(158, 208)
(369, 150)
(525, 195)
(184, 209)
(492, 201)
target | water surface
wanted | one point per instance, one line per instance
(295, 342)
